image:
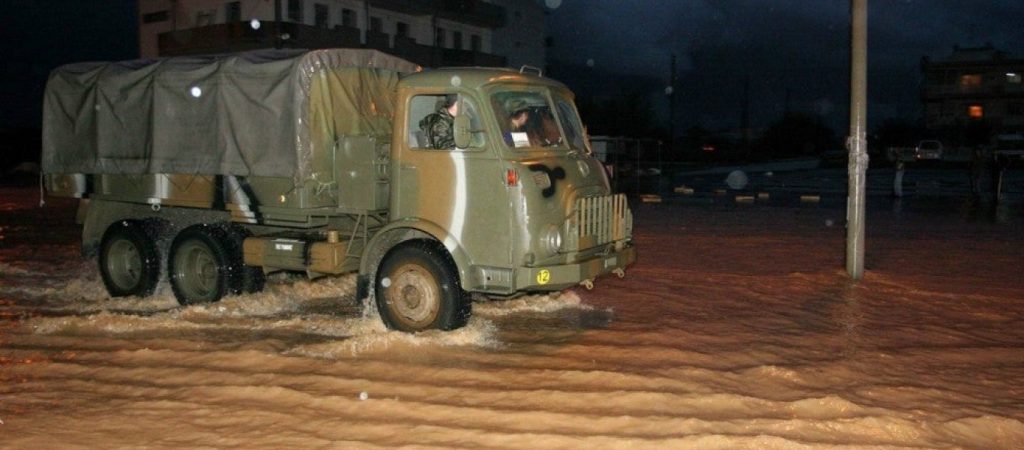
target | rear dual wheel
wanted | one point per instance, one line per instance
(206, 264)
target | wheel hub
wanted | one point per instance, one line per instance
(124, 263)
(197, 270)
(415, 294)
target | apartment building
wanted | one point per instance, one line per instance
(974, 84)
(431, 33)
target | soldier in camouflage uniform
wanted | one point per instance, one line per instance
(438, 126)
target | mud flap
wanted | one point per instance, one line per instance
(362, 287)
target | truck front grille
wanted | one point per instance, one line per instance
(599, 220)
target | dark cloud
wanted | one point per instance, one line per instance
(787, 49)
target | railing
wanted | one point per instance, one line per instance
(239, 36)
(479, 13)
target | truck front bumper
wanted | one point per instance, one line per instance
(557, 277)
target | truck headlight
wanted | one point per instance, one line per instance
(551, 240)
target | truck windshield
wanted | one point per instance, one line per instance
(526, 119)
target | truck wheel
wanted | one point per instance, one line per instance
(417, 288)
(201, 269)
(129, 260)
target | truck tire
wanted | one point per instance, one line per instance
(201, 268)
(129, 260)
(417, 289)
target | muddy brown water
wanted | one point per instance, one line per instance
(737, 329)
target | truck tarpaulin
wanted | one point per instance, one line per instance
(264, 113)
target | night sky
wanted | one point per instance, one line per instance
(38, 35)
(795, 46)
(795, 49)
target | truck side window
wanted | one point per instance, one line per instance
(430, 121)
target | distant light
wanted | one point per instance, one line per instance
(669, 90)
(976, 111)
(196, 91)
(553, 4)
(590, 62)
(255, 24)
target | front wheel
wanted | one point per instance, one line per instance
(201, 269)
(417, 289)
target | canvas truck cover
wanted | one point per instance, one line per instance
(264, 113)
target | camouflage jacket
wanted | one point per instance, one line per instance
(438, 128)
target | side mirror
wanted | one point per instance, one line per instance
(460, 128)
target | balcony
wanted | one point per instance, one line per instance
(472, 12)
(430, 56)
(239, 36)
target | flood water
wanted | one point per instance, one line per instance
(738, 328)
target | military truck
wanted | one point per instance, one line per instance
(219, 170)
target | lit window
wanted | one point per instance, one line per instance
(1013, 77)
(975, 111)
(971, 79)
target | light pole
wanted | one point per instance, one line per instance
(857, 139)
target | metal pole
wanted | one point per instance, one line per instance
(857, 140)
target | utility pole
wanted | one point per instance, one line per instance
(857, 140)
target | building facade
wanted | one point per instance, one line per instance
(431, 33)
(973, 85)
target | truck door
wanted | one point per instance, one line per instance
(461, 191)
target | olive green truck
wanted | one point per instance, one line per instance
(218, 170)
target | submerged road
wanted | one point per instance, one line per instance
(737, 329)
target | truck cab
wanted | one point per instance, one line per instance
(519, 202)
